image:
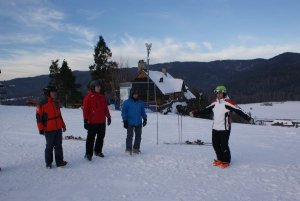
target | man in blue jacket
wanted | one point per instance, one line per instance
(132, 113)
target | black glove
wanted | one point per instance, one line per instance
(125, 124)
(42, 132)
(108, 121)
(144, 122)
(86, 124)
(64, 129)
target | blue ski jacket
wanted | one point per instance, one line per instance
(133, 112)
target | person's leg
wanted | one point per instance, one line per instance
(138, 137)
(216, 142)
(100, 138)
(58, 147)
(129, 138)
(90, 140)
(49, 148)
(225, 147)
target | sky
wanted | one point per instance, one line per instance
(35, 32)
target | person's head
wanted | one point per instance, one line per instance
(134, 94)
(95, 86)
(220, 91)
(50, 91)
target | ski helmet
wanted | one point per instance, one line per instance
(133, 91)
(221, 89)
(48, 89)
(94, 83)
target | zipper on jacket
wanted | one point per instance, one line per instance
(54, 114)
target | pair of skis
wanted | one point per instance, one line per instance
(187, 142)
(71, 137)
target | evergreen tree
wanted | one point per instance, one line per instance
(69, 91)
(54, 73)
(103, 69)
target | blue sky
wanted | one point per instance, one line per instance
(34, 32)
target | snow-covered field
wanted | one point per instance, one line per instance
(265, 161)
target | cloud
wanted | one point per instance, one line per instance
(131, 49)
(207, 45)
(19, 38)
(25, 63)
(46, 21)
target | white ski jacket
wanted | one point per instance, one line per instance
(222, 113)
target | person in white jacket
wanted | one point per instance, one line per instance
(221, 108)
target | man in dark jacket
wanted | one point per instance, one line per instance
(95, 112)
(51, 124)
(221, 108)
(132, 113)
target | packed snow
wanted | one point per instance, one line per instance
(265, 161)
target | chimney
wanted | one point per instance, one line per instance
(164, 71)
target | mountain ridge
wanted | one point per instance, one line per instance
(254, 80)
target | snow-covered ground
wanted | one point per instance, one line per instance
(265, 161)
(278, 110)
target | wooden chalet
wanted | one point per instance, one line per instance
(165, 86)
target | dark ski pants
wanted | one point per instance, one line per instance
(93, 131)
(137, 139)
(220, 143)
(54, 141)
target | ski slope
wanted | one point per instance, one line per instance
(265, 162)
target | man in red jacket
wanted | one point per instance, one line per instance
(95, 112)
(51, 124)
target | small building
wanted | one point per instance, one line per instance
(162, 84)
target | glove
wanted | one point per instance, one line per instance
(86, 124)
(42, 132)
(108, 121)
(125, 124)
(64, 129)
(144, 122)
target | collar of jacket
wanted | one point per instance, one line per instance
(50, 99)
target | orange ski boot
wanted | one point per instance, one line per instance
(224, 165)
(217, 163)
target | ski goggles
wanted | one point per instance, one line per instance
(218, 91)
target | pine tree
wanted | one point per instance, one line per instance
(102, 68)
(54, 73)
(69, 89)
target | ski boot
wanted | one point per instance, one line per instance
(136, 151)
(224, 165)
(62, 164)
(129, 151)
(217, 163)
(99, 154)
(88, 157)
(49, 166)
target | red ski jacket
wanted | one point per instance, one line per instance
(95, 108)
(48, 116)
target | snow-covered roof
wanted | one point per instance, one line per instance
(167, 84)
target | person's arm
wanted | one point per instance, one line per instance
(106, 110)
(125, 111)
(144, 115)
(39, 119)
(206, 110)
(86, 107)
(233, 107)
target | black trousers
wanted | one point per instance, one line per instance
(137, 139)
(220, 143)
(54, 141)
(93, 131)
